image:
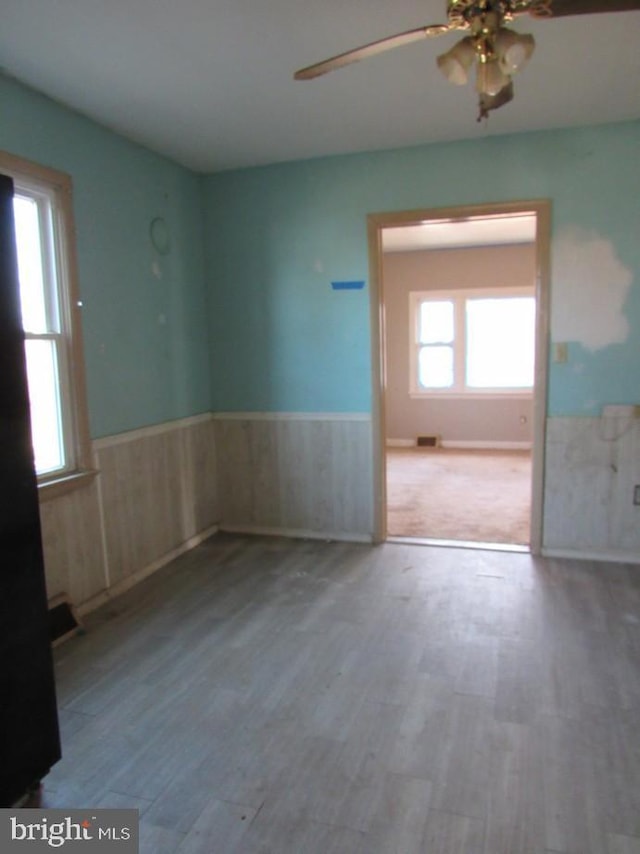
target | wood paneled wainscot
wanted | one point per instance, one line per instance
(592, 467)
(72, 532)
(297, 474)
(155, 496)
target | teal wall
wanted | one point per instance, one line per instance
(277, 237)
(263, 329)
(145, 332)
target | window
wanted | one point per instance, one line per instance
(50, 308)
(468, 342)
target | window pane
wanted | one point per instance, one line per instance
(500, 342)
(435, 367)
(46, 422)
(30, 264)
(436, 322)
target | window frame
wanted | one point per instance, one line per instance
(458, 296)
(33, 179)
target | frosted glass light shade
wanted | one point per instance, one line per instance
(513, 49)
(491, 78)
(455, 63)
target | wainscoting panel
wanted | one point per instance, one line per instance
(592, 466)
(155, 495)
(309, 474)
(154, 492)
(72, 543)
(199, 477)
(142, 499)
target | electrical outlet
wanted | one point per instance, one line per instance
(636, 494)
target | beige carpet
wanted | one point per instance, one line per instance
(477, 496)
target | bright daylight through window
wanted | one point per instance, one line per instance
(44, 344)
(43, 226)
(473, 342)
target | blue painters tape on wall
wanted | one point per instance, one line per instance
(347, 286)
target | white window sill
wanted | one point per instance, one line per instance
(471, 395)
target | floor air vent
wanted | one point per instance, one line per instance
(428, 441)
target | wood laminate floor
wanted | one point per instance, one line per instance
(291, 697)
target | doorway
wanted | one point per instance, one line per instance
(459, 430)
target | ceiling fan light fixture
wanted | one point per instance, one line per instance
(496, 51)
(491, 78)
(493, 102)
(514, 50)
(457, 61)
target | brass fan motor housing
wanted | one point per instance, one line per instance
(462, 13)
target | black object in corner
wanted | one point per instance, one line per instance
(29, 738)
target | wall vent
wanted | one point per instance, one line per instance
(428, 441)
(63, 621)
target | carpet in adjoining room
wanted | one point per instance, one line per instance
(470, 495)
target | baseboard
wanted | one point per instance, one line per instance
(482, 445)
(136, 577)
(297, 533)
(604, 557)
(464, 444)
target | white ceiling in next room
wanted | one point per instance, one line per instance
(457, 234)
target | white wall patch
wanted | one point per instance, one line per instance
(590, 286)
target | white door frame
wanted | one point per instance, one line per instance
(541, 208)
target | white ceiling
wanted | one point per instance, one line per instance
(209, 82)
(447, 234)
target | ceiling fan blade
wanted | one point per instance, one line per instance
(563, 8)
(371, 49)
(492, 102)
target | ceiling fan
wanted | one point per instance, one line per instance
(497, 51)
